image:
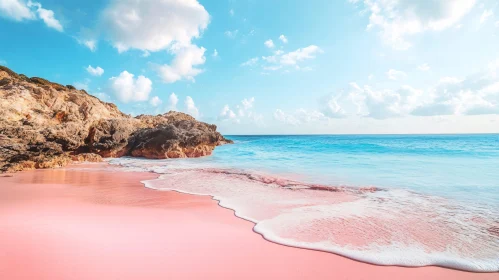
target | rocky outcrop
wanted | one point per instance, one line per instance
(46, 125)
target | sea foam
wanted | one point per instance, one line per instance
(379, 226)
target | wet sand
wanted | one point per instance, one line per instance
(87, 224)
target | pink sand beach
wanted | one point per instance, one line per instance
(87, 224)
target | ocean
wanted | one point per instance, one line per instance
(409, 200)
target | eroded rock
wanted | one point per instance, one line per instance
(46, 125)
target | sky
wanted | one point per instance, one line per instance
(271, 67)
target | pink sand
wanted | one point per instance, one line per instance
(70, 224)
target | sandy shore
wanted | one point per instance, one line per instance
(81, 224)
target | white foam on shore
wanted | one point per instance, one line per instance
(384, 227)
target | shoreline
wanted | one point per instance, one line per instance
(84, 224)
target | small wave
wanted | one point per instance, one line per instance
(379, 226)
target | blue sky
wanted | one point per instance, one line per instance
(272, 67)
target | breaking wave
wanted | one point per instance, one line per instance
(369, 224)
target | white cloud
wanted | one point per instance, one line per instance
(486, 15)
(19, 10)
(474, 95)
(183, 65)
(231, 34)
(332, 108)
(397, 20)
(283, 39)
(16, 10)
(126, 88)
(228, 114)
(395, 74)
(300, 116)
(173, 101)
(215, 53)
(248, 103)
(497, 23)
(191, 107)
(269, 43)
(87, 38)
(91, 44)
(251, 62)
(282, 59)
(155, 101)
(424, 67)
(285, 118)
(305, 116)
(143, 25)
(95, 71)
(242, 112)
(46, 15)
(153, 25)
(292, 58)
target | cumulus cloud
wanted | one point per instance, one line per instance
(173, 101)
(16, 10)
(143, 25)
(95, 71)
(190, 107)
(384, 103)
(19, 11)
(126, 88)
(269, 43)
(395, 74)
(46, 15)
(227, 114)
(184, 64)
(283, 39)
(397, 20)
(153, 25)
(332, 107)
(240, 112)
(476, 94)
(285, 118)
(155, 101)
(215, 53)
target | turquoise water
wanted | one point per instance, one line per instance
(460, 166)
(410, 200)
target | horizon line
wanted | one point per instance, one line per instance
(367, 134)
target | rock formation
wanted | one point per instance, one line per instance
(44, 125)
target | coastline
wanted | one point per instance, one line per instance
(85, 224)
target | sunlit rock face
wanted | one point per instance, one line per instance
(45, 125)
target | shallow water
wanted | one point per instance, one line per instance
(391, 199)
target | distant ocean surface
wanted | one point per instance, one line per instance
(409, 200)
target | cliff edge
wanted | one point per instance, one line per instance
(45, 124)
